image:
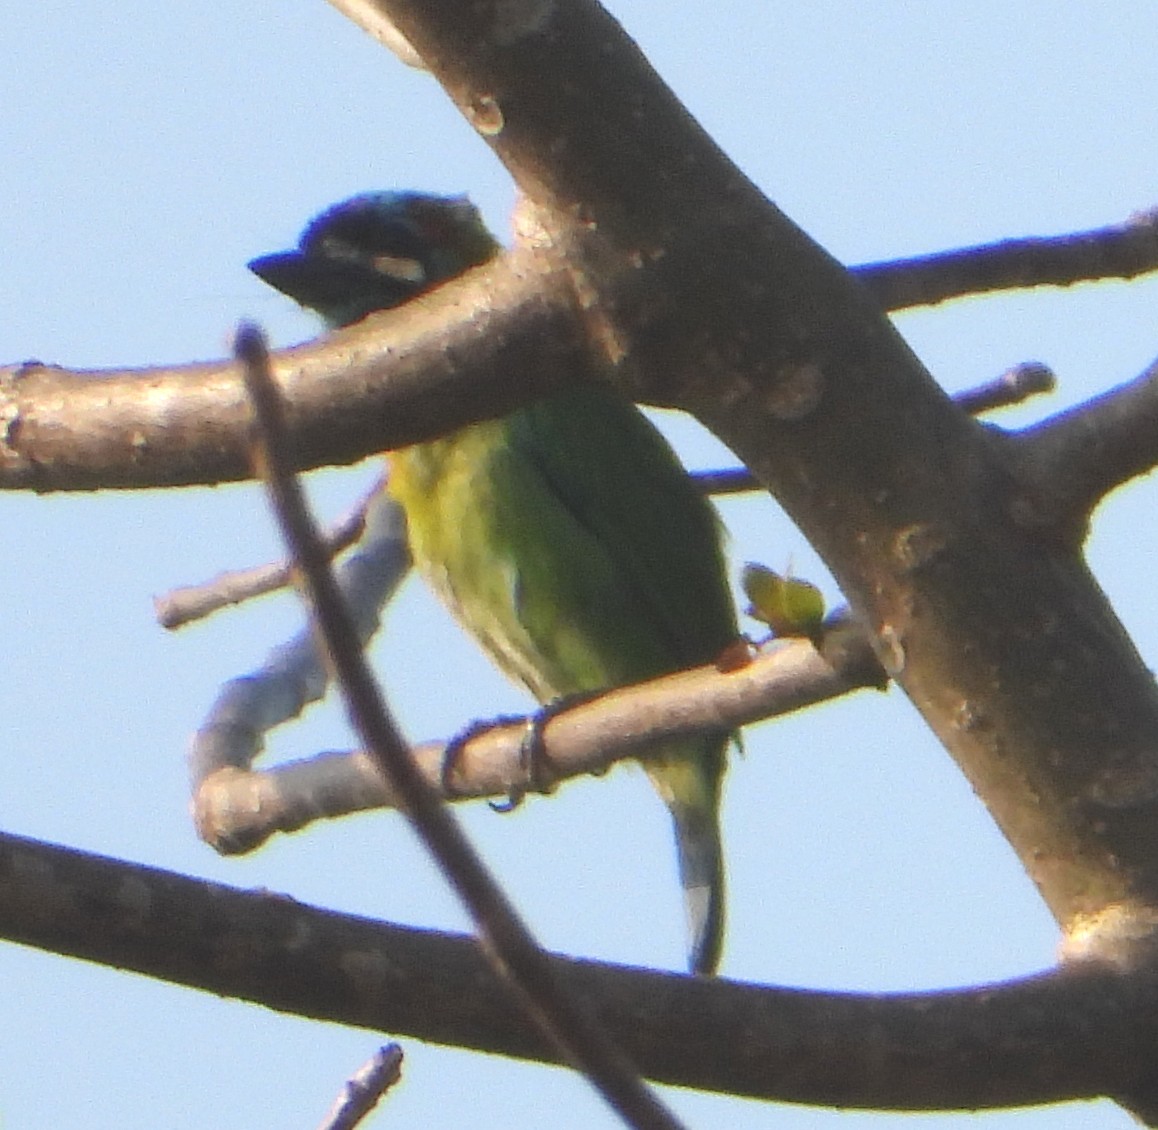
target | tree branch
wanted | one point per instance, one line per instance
(703, 296)
(237, 808)
(184, 605)
(140, 428)
(697, 293)
(1071, 461)
(508, 944)
(394, 379)
(364, 1089)
(1014, 386)
(1118, 251)
(1087, 1032)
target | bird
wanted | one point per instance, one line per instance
(566, 537)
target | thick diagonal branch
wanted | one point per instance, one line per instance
(701, 294)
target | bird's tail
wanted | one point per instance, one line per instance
(690, 786)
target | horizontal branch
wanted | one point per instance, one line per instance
(237, 808)
(487, 342)
(474, 348)
(1118, 251)
(1086, 1032)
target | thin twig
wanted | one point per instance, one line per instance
(1117, 251)
(364, 1089)
(188, 603)
(1014, 386)
(513, 952)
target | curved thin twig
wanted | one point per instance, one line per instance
(508, 944)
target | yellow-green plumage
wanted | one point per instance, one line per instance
(565, 537)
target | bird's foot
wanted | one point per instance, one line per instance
(454, 747)
(533, 750)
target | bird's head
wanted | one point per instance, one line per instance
(376, 251)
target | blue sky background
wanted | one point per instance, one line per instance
(148, 151)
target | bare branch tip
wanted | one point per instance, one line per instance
(364, 1089)
(1031, 378)
(250, 345)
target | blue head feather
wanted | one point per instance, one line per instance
(377, 250)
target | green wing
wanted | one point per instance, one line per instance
(571, 543)
(610, 471)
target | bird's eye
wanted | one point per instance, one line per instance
(399, 267)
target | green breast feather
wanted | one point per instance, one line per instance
(571, 543)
